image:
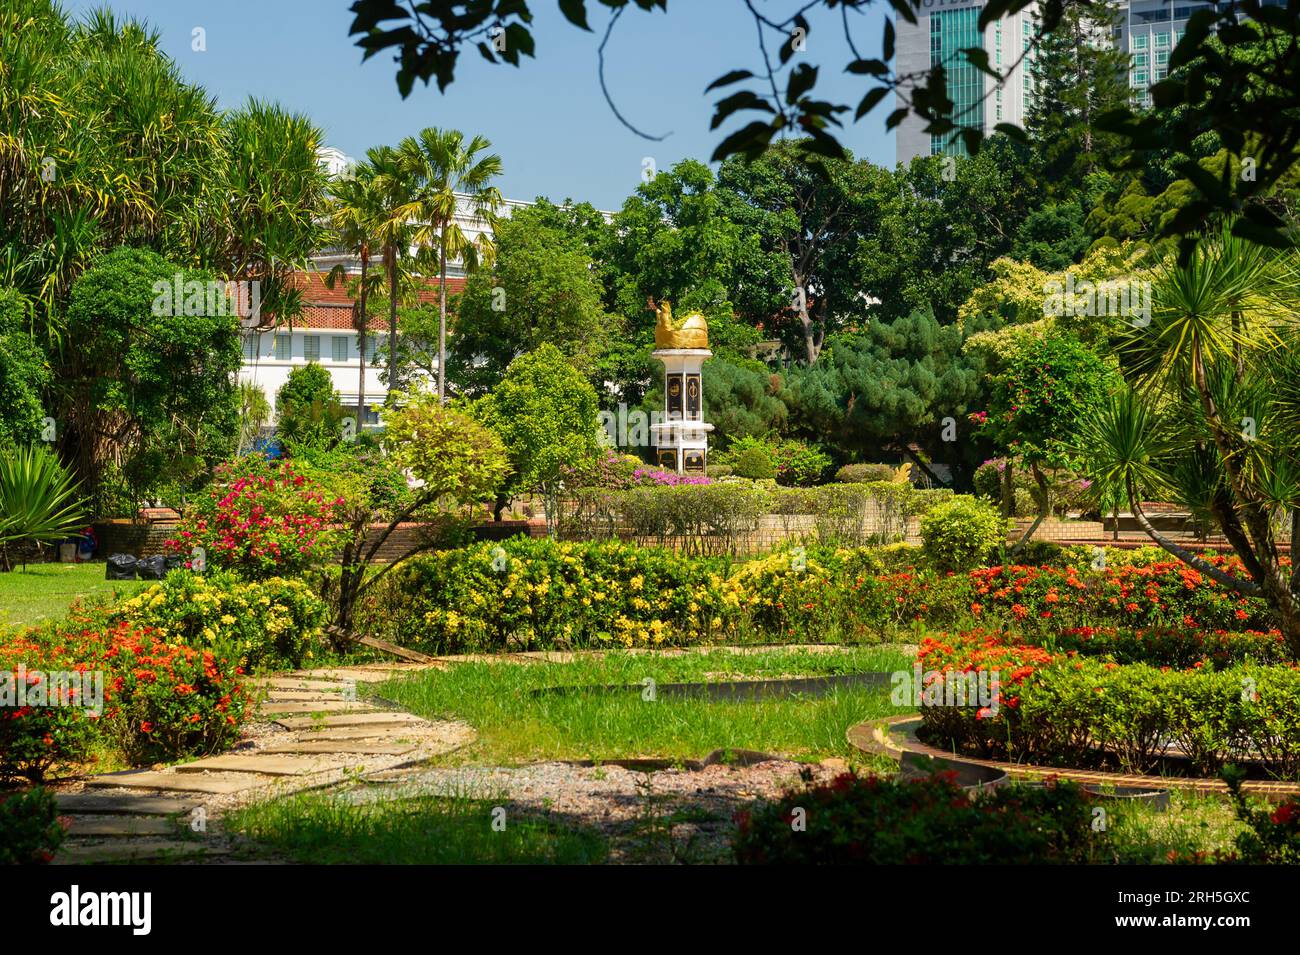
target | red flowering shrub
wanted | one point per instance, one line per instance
(857, 820)
(30, 828)
(43, 727)
(260, 521)
(172, 700)
(1163, 594)
(1272, 836)
(155, 700)
(1167, 647)
(1063, 708)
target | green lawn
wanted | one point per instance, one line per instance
(515, 725)
(325, 828)
(45, 591)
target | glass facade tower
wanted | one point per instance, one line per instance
(950, 32)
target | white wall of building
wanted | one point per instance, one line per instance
(267, 362)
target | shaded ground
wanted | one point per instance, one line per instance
(669, 815)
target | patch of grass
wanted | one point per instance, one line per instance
(1193, 823)
(517, 726)
(426, 830)
(42, 592)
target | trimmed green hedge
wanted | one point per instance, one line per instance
(525, 593)
(1068, 710)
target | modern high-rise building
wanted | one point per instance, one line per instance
(943, 28)
(1148, 30)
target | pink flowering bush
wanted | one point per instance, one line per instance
(261, 520)
(654, 477)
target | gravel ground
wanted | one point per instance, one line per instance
(668, 815)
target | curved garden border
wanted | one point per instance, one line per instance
(896, 735)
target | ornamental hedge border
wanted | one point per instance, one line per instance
(527, 593)
(1066, 709)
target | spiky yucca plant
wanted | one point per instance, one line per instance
(39, 502)
(1210, 416)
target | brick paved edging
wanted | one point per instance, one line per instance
(895, 735)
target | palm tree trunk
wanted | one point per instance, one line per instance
(363, 325)
(393, 383)
(442, 319)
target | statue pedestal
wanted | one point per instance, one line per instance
(681, 439)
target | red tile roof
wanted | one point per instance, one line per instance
(333, 316)
(316, 292)
(331, 308)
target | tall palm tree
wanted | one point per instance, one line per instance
(356, 211)
(395, 192)
(448, 172)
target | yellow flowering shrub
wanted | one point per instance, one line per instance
(266, 624)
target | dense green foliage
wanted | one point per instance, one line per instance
(150, 380)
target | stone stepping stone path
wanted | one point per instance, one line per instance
(371, 720)
(318, 733)
(275, 707)
(115, 827)
(363, 746)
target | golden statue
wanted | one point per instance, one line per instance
(693, 332)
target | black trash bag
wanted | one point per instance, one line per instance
(151, 568)
(175, 562)
(120, 567)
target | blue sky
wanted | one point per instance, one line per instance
(547, 119)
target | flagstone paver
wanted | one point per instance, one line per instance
(122, 804)
(273, 708)
(176, 782)
(279, 684)
(380, 718)
(120, 826)
(367, 747)
(136, 850)
(268, 765)
(276, 697)
(118, 817)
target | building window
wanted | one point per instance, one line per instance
(283, 347)
(1140, 60)
(340, 346)
(370, 348)
(311, 347)
(250, 346)
(1139, 77)
(1162, 41)
(1162, 58)
(1139, 41)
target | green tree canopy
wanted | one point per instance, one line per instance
(546, 414)
(24, 373)
(308, 413)
(888, 384)
(542, 288)
(147, 366)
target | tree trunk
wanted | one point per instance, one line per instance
(1008, 490)
(393, 383)
(363, 326)
(1041, 481)
(442, 317)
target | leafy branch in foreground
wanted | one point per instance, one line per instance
(1239, 77)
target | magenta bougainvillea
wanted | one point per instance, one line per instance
(261, 521)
